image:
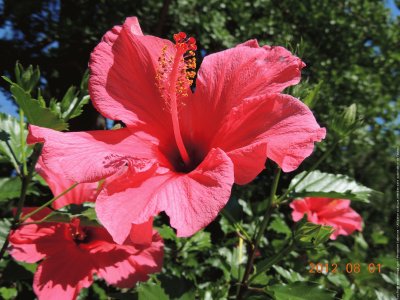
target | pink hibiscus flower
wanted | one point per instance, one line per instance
(71, 254)
(181, 151)
(327, 211)
(84, 192)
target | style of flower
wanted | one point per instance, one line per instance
(84, 192)
(328, 211)
(181, 151)
(71, 254)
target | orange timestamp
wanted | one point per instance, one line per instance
(325, 268)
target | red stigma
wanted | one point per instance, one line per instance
(76, 230)
(183, 43)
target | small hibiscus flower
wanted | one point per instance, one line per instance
(328, 211)
(181, 151)
(70, 254)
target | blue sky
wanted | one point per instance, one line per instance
(7, 106)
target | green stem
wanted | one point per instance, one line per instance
(37, 150)
(4, 247)
(275, 259)
(15, 162)
(22, 141)
(26, 179)
(27, 216)
(260, 234)
(225, 213)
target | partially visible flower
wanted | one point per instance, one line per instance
(58, 183)
(71, 254)
(181, 151)
(328, 211)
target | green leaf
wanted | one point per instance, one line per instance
(87, 217)
(379, 238)
(177, 287)
(262, 279)
(71, 105)
(301, 291)
(149, 291)
(10, 188)
(384, 295)
(35, 113)
(167, 233)
(310, 235)
(289, 275)
(279, 226)
(69, 96)
(199, 242)
(338, 279)
(345, 123)
(27, 78)
(75, 108)
(7, 79)
(5, 225)
(319, 184)
(99, 292)
(8, 293)
(246, 207)
(312, 97)
(11, 133)
(58, 217)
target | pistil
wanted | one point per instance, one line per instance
(174, 79)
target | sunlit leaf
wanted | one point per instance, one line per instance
(34, 112)
(8, 293)
(289, 275)
(11, 133)
(9, 188)
(167, 233)
(4, 229)
(319, 184)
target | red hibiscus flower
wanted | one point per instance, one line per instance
(327, 211)
(181, 151)
(71, 254)
(84, 192)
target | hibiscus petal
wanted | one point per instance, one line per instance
(199, 196)
(23, 243)
(142, 234)
(299, 209)
(62, 276)
(123, 70)
(248, 161)
(23, 239)
(191, 200)
(127, 273)
(228, 77)
(90, 156)
(283, 123)
(84, 192)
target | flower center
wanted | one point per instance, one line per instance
(174, 78)
(77, 233)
